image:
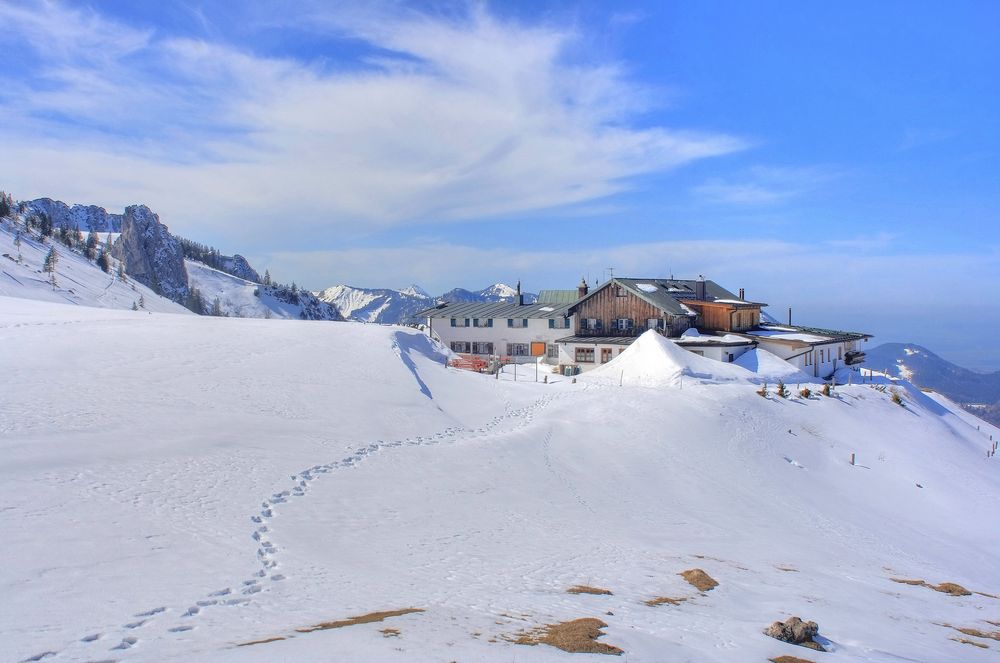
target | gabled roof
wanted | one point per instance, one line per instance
(668, 295)
(558, 296)
(485, 310)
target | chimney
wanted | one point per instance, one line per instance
(789, 316)
(742, 295)
(582, 289)
(700, 288)
(520, 297)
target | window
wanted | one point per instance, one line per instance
(459, 346)
(552, 352)
(518, 349)
(621, 292)
(809, 358)
(517, 322)
(591, 324)
(482, 348)
(606, 355)
(558, 323)
(459, 322)
(585, 355)
(654, 323)
(482, 322)
(622, 324)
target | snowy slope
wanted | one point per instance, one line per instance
(246, 478)
(923, 367)
(236, 296)
(79, 281)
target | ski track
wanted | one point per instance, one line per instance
(243, 592)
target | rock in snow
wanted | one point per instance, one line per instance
(151, 254)
(84, 217)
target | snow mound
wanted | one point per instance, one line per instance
(769, 367)
(653, 360)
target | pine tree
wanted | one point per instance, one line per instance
(135, 307)
(217, 307)
(121, 272)
(6, 204)
(142, 301)
(45, 225)
(17, 243)
(91, 245)
(107, 244)
(50, 261)
(267, 277)
(104, 263)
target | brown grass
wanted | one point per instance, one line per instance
(786, 568)
(389, 632)
(260, 642)
(976, 633)
(699, 579)
(966, 641)
(950, 588)
(578, 636)
(360, 619)
(660, 600)
(587, 589)
(789, 659)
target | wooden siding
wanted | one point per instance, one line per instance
(607, 306)
(725, 317)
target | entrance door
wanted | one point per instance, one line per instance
(606, 355)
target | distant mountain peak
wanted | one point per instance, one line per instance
(415, 290)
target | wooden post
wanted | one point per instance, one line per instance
(852, 459)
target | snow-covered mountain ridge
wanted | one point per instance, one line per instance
(241, 483)
(388, 306)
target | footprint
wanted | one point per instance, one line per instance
(252, 589)
(180, 629)
(91, 638)
(204, 603)
(135, 624)
(126, 643)
(150, 613)
(222, 592)
(277, 576)
(38, 657)
(192, 611)
(237, 601)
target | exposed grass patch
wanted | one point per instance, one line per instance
(789, 659)
(389, 632)
(260, 642)
(699, 579)
(660, 600)
(789, 569)
(578, 636)
(976, 633)
(360, 619)
(966, 641)
(950, 588)
(587, 589)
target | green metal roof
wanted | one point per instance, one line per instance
(557, 296)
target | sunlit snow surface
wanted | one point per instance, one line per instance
(141, 450)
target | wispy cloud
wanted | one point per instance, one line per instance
(464, 117)
(764, 185)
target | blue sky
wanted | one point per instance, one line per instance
(839, 158)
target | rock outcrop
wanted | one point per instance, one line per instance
(84, 217)
(795, 631)
(238, 266)
(151, 255)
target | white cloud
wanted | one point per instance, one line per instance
(764, 185)
(467, 117)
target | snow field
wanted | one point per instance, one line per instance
(176, 485)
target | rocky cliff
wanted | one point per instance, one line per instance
(151, 255)
(84, 217)
(238, 266)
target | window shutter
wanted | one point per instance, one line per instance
(552, 323)
(454, 322)
(489, 323)
(524, 323)
(466, 322)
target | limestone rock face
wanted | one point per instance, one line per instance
(795, 631)
(151, 255)
(84, 217)
(238, 266)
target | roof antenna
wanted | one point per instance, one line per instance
(611, 272)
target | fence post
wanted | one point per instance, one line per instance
(852, 459)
